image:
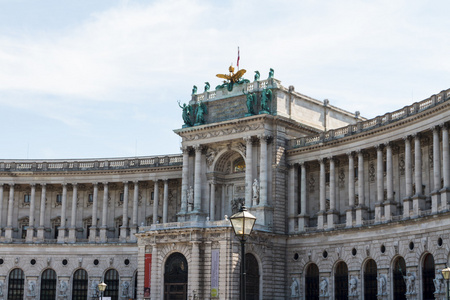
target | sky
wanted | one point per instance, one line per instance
(101, 79)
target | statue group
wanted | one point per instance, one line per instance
(188, 113)
(266, 102)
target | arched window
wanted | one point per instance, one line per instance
(399, 282)
(48, 285)
(16, 285)
(252, 279)
(370, 280)
(428, 275)
(312, 282)
(80, 285)
(341, 281)
(112, 284)
(175, 277)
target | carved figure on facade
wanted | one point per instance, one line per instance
(255, 188)
(410, 280)
(295, 288)
(190, 197)
(266, 100)
(63, 289)
(187, 113)
(210, 156)
(324, 287)
(381, 284)
(438, 281)
(125, 289)
(353, 286)
(200, 112)
(31, 289)
(257, 75)
(94, 289)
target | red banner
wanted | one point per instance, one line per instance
(147, 275)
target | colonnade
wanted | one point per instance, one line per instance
(126, 232)
(412, 201)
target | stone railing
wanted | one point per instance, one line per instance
(91, 164)
(372, 123)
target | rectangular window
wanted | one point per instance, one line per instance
(91, 198)
(26, 198)
(121, 198)
(59, 198)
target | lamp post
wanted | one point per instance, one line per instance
(446, 274)
(242, 223)
(102, 288)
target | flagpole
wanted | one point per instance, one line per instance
(238, 59)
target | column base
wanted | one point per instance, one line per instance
(349, 218)
(61, 235)
(389, 210)
(445, 198)
(435, 200)
(30, 234)
(406, 208)
(361, 214)
(92, 234)
(320, 219)
(196, 216)
(263, 214)
(181, 216)
(40, 234)
(123, 234)
(291, 224)
(8, 233)
(418, 204)
(72, 235)
(133, 231)
(378, 212)
(103, 238)
(302, 223)
(332, 218)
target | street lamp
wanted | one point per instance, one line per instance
(242, 223)
(102, 288)
(446, 274)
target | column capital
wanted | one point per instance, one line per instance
(212, 182)
(64, 184)
(435, 128)
(125, 182)
(407, 138)
(350, 154)
(105, 184)
(330, 158)
(74, 184)
(198, 148)
(33, 185)
(379, 147)
(248, 139)
(321, 160)
(444, 125)
(43, 184)
(95, 183)
(184, 150)
(360, 151)
(136, 182)
(388, 144)
(417, 135)
(165, 180)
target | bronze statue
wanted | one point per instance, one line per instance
(200, 112)
(266, 99)
(187, 112)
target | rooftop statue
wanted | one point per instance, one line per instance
(257, 75)
(187, 112)
(200, 112)
(194, 90)
(266, 99)
(232, 78)
(271, 73)
(207, 86)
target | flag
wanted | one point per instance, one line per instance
(238, 59)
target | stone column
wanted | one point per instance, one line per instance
(155, 201)
(389, 204)
(1, 207)
(322, 199)
(361, 208)
(332, 214)
(380, 185)
(41, 228)
(124, 227)
(435, 195)
(445, 191)
(418, 198)
(195, 263)
(9, 221)
(248, 171)
(134, 224)
(104, 228)
(198, 179)
(222, 202)
(351, 190)
(408, 179)
(292, 211)
(303, 217)
(30, 229)
(62, 228)
(165, 200)
(263, 171)
(93, 229)
(184, 181)
(155, 293)
(212, 202)
(73, 225)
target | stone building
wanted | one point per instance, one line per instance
(346, 207)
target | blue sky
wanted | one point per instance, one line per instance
(88, 79)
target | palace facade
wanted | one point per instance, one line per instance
(346, 207)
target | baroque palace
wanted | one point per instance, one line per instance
(346, 207)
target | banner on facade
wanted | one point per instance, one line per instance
(215, 273)
(147, 275)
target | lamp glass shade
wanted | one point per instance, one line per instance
(102, 286)
(446, 273)
(242, 222)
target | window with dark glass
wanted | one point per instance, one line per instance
(112, 281)
(399, 283)
(58, 198)
(252, 280)
(175, 277)
(90, 198)
(48, 285)
(312, 282)
(26, 198)
(370, 280)
(341, 281)
(16, 285)
(428, 274)
(80, 285)
(121, 198)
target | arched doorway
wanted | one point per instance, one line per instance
(48, 285)
(370, 280)
(112, 284)
(399, 283)
(175, 277)
(80, 285)
(428, 275)
(16, 285)
(341, 281)
(252, 280)
(312, 282)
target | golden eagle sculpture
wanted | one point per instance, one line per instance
(233, 77)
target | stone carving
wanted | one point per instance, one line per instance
(266, 100)
(63, 289)
(125, 289)
(241, 147)
(341, 178)
(200, 112)
(324, 287)
(410, 280)
(187, 113)
(439, 287)
(353, 286)
(371, 171)
(94, 289)
(381, 284)
(295, 288)
(31, 289)
(311, 184)
(257, 75)
(210, 156)
(190, 197)
(271, 73)
(255, 191)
